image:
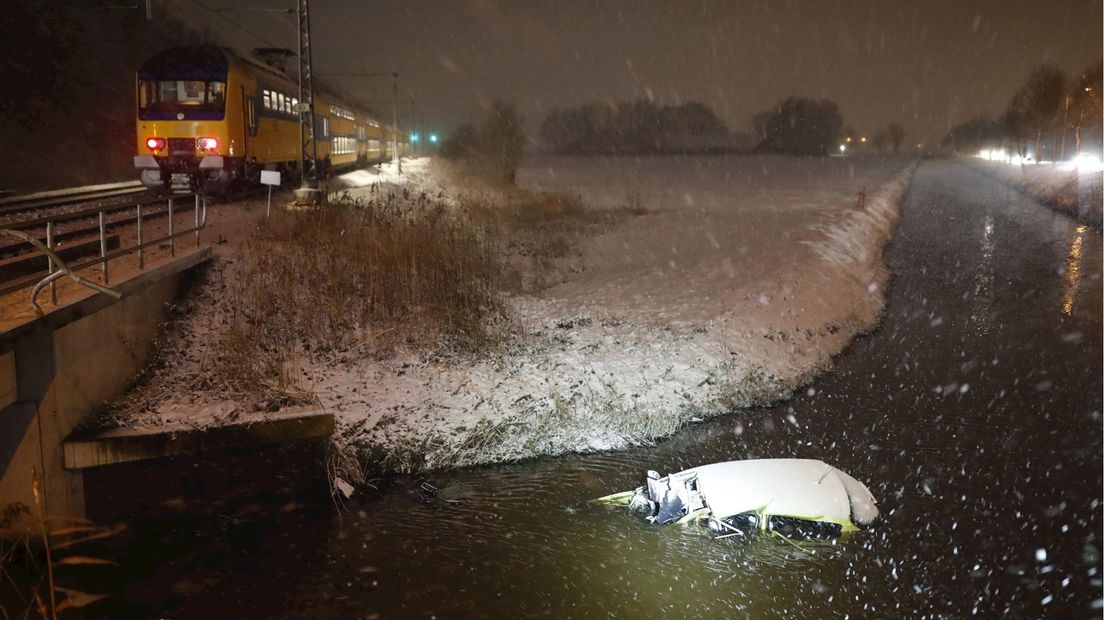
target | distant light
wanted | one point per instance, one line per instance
(413, 137)
(984, 154)
(1087, 163)
(843, 147)
(849, 139)
(433, 138)
(864, 139)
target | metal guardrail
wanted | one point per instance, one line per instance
(56, 268)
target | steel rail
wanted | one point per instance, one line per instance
(64, 198)
(93, 210)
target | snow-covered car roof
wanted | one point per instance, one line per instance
(802, 488)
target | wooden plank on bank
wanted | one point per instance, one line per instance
(128, 444)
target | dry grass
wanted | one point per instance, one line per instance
(540, 231)
(326, 287)
(41, 547)
(356, 276)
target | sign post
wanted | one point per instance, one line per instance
(269, 178)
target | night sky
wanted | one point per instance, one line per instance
(928, 64)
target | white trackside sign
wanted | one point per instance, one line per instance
(270, 177)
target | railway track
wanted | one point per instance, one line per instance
(83, 227)
(11, 206)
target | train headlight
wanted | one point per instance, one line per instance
(155, 144)
(207, 144)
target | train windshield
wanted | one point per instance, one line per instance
(181, 99)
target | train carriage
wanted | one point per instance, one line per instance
(208, 118)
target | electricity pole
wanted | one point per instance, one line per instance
(395, 119)
(306, 101)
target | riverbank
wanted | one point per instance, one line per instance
(739, 285)
(698, 285)
(1062, 187)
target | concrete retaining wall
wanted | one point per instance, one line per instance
(61, 368)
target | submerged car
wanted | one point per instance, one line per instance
(798, 498)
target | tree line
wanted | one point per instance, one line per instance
(626, 127)
(795, 126)
(811, 127)
(1050, 113)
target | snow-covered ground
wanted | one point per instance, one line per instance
(741, 279)
(1062, 186)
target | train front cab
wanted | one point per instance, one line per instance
(186, 134)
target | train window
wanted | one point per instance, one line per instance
(189, 91)
(280, 103)
(267, 100)
(146, 94)
(343, 145)
(158, 99)
(216, 93)
(294, 104)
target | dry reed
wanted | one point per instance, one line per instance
(353, 276)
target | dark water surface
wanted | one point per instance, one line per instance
(973, 414)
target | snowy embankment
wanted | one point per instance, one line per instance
(1062, 186)
(737, 285)
(744, 279)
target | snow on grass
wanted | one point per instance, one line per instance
(737, 287)
(852, 244)
(731, 283)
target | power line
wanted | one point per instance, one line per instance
(219, 13)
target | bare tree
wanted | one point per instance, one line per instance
(503, 139)
(800, 126)
(1037, 106)
(1016, 124)
(896, 134)
(1085, 101)
(879, 139)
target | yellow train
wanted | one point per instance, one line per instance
(209, 118)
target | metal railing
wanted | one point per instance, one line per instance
(56, 268)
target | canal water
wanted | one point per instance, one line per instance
(973, 413)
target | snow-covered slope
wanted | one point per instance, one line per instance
(738, 286)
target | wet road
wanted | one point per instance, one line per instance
(973, 413)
